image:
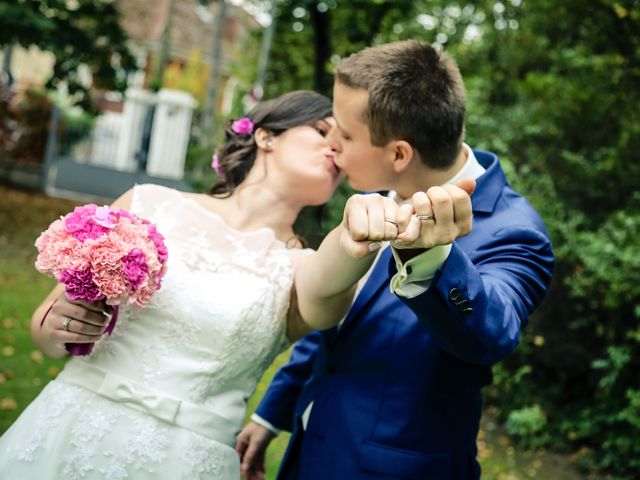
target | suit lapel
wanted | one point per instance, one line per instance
(379, 278)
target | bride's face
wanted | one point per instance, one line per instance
(304, 159)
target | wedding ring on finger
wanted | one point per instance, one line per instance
(425, 218)
(392, 222)
(65, 324)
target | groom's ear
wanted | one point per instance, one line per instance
(403, 155)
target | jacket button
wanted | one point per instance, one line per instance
(454, 294)
(464, 304)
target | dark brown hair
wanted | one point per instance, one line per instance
(238, 154)
(416, 94)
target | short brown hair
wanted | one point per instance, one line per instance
(415, 94)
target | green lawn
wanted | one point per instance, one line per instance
(24, 371)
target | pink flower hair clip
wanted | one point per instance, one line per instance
(215, 164)
(242, 126)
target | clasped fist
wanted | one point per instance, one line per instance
(435, 217)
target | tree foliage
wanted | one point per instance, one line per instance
(77, 32)
(554, 88)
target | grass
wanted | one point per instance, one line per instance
(24, 371)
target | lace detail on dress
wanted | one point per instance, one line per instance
(49, 415)
(201, 456)
(85, 438)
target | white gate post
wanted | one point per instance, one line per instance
(170, 134)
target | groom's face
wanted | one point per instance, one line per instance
(367, 167)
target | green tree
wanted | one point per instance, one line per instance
(77, 32)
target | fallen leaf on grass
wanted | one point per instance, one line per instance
(8, 404)
(37, 356)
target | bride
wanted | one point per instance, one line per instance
(164, 396)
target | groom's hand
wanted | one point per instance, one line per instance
(443, 214)
(371, 219)
(251, 445)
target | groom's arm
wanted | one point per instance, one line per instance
(276, 410)
(278, 404)
(476, 311)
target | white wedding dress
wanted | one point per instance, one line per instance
(165, 395)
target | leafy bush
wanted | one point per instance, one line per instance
(529, 425)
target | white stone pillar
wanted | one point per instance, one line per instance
(170, 134)
(137, 103)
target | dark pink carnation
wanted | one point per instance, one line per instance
(158, 241)
(135, 268)
(81, 225)
(79, 285)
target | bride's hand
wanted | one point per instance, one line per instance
(75, 322)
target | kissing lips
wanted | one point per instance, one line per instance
(332, 165)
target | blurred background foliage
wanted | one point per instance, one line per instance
(554, 89)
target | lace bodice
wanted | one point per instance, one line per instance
(218, 320)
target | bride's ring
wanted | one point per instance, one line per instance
(388, 220)
(425, 218)
(65, 324)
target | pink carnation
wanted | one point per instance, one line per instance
(158, 242)
(135, 268)
(112, 283)
(79, 286)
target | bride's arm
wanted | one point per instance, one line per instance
(325, 281)
(87, 322)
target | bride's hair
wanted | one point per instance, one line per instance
(238, 153)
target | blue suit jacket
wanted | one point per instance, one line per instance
(396, 391)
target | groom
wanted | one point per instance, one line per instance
(394, 390)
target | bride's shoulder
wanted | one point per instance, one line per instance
(154, 188)
(298, 253)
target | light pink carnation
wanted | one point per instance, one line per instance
(112, 282)
(107, 252)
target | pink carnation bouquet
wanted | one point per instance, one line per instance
(103, 253)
